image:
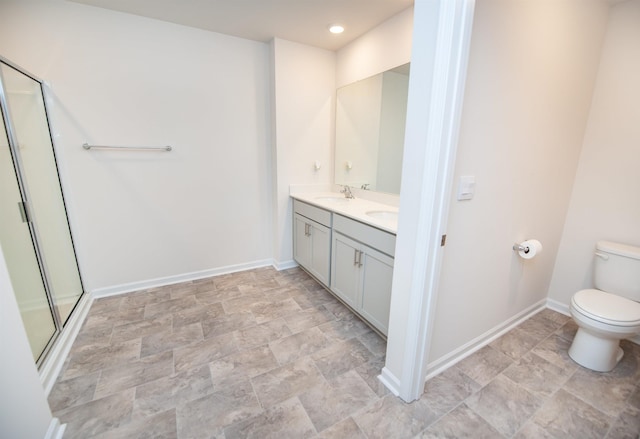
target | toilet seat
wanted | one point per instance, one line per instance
(607, 308)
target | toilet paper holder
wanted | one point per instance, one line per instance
(521, 248)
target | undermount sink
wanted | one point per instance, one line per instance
(333, 199)
(386, 215)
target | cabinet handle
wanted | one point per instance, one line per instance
(307, 229)
(357, 258)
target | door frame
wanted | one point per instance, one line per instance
(440, 51)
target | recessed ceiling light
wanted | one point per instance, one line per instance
(336, 29)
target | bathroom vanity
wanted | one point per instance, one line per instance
(348, 245)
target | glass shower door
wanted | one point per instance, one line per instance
(37, 163)
(34, 230)
(21, 258)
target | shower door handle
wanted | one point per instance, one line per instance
(22, 207)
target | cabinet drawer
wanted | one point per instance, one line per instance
(314, 213)
(375, 238)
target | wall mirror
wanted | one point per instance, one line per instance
(370, 122)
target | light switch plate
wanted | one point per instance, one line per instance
(466, 187)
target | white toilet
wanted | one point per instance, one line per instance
(609, 313)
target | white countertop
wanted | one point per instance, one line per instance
(354, 208)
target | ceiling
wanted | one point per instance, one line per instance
(303, 21)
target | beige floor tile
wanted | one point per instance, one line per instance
(461, 423)
(169, 306)
(266, 311)
(170, 339)
(93, 358)
(74, 391)
(259, 335)
(160, 426)
(249, 363)
(141, 328)
(537, 375)
(308, 318)
(342, 430)
(226, 335)
(286, 420)
(448, 389)
(227, 323)
(290, 348)
(331, 402)
(172, 391)
(504, 405)
(97, 416)
(389, 417)
(286, 381)
(132, 374)
(484, 365)
(339, 358)
(210, 414)
(205, 351)
(565, 416)
(515, 343)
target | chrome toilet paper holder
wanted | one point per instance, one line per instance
(521, 248)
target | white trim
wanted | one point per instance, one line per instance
(436, 92)
(284, 265)
(170, 280)
(435, 367)
(558, 307)
(52, 365)
(390, 381)
(55, 430)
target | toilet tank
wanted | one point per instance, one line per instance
(617, 269)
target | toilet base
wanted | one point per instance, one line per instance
(595, 353)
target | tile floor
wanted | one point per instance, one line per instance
(267, 354)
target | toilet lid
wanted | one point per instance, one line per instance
(607, 307)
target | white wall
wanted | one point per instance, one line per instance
(24, 411)
(303, 90)
(531, 71)
(604, 203)
(382, 48)
(125, 80)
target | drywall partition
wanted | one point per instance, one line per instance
(152, 217)
(604, 203)
(303, 108)
(386, 46)
(530, 78)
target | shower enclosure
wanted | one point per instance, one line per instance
(34, 230)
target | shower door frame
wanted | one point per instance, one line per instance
(24, 193)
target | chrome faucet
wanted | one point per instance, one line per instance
(346, 190)
(365, 186)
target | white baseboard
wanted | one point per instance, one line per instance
(284, 265)
(439, 365)
(390, 381)
(558, 307)
(170, 280)
(52, 366)
(55, 430)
